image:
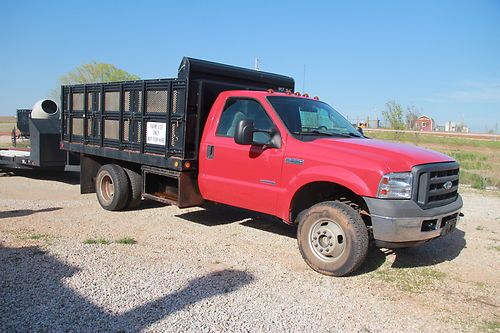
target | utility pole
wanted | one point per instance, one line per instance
(304, 80)
(257, 64)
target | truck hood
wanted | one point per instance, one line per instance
(390, 156)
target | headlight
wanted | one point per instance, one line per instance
(395, 186)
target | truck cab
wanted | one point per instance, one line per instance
(244, 138)
(282, 154)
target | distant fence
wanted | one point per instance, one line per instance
(473, 136)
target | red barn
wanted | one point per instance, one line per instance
(425, 124)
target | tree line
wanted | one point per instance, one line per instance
(398, 118)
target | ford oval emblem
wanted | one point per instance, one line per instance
(447, 185)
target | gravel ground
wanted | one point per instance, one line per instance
(218, 269)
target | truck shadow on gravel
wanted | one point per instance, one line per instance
(66, 177)
(428, 254)
(34, 297)
(440, 250)
(217, 214)
(25, 212)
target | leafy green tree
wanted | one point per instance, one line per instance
(394, 115)
(94, 72)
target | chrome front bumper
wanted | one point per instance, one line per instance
(403, 221)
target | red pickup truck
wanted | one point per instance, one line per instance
(244, 138)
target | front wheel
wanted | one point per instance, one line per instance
(332, 238)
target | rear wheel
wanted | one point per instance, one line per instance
(112, 187)
(135, 191)
(332, 238)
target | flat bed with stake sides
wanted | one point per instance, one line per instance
(244, 138)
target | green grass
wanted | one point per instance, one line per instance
(101, 241)
(480, 285)
(490, 326)
(126, 240)
(7, 127)
(474, 180)
(19, 144)
(479, 159)
(496, 248)
(36, 237)
(422, 138)
(414, 280)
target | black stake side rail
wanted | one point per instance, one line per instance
(137, 121)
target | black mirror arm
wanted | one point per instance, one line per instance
(275, 137)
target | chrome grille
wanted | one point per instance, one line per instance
(437, 184)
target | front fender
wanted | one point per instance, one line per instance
(331, 174)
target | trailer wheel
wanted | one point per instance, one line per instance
(135, 191)
(112, 187)
(332, 238)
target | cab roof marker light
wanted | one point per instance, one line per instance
(316, 98)
(270, 91)
(306, 95)
(297, 93)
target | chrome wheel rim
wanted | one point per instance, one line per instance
(327, 240)
(107, 188)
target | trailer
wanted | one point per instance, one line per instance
(42, 126)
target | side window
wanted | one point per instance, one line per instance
(238, 109)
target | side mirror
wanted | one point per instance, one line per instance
(244, 132)
(245, 135)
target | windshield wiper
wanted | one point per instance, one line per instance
(320, 132)
(356, 135)
(313, 132)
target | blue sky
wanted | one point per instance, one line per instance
(441, 56)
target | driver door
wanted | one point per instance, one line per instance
(246, 176)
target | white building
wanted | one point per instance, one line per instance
(452, 126)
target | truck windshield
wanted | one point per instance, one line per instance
(310, 117)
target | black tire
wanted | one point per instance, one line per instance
(112, 187)
(135, 190)
(332, 238)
